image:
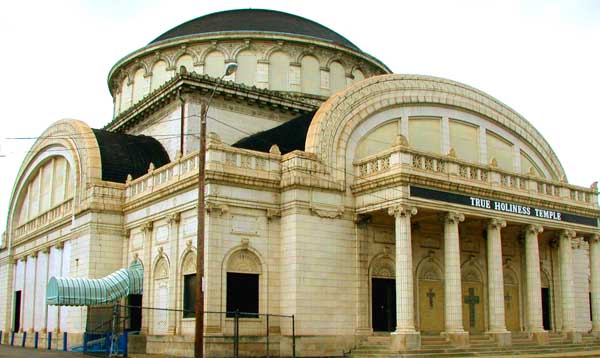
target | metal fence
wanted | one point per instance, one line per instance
(121, 329)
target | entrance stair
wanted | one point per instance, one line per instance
(480, 346)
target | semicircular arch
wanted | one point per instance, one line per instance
(342, 113)
(68, 138)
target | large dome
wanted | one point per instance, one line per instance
(256, 20)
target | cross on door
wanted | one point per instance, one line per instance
(471, 300)
(431, 296)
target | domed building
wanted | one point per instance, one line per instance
(346, 207)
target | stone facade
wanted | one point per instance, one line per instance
(365, 230)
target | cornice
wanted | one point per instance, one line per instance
(194, 83)
(396, 179)
(191, 40)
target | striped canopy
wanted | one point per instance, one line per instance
(65, 291)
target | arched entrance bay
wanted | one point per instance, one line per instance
(472, 289)
(383, 295)
(431, 297)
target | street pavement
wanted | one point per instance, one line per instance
(10, 352)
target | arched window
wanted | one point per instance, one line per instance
(140, 85)
(337, 77)
(358, 75)
(214, 64)
(50, 186)
(279, 66)
(185, 61)
(246, 72)
(188, 270)
(311, 75)
(159, 75)
(125, 94)
(243, 273)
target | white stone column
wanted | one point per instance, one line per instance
(535, 324)
(594, 243)
(566, 280)
(452, 281)
(497, 322)
(405, 335)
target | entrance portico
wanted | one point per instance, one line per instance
(482, 257)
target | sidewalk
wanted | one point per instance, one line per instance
(11, 351)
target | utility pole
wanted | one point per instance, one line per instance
(199, 304)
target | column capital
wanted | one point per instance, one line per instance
(595, 238)
(453, 217)
(567, 233)
(402, 210)
(173, 218)
(496, 223)
(147, 227)
(533, 229)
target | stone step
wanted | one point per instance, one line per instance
(483, 351)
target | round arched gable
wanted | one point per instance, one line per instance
(68, 138)
(337, 118)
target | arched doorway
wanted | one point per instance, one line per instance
(431, 297)
(383, 295)
(511, 301)
(472, 289)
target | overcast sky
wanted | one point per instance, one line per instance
(542, 58)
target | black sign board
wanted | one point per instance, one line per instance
(501, 206)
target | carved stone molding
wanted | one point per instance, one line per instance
(453, 217)
(594, 239)
(533, 229)
(243, 261)
(402, 210)
(567, 233)
(217, 208)
(173, 218)
(147, 227)
(273, 213)
(383, 267)
(576, 243)
(495, 223)
(326, 212)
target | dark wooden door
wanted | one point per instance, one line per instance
(546, 308)
(383, 293)
(17, 316)
(135, 312)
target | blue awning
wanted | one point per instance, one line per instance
(66, 291)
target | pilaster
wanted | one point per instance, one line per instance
(147, 229)
(173, 222)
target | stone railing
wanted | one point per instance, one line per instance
(220, 159)
(48, 217)
(444, 166)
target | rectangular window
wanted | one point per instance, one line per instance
(425, 134)
(501, 150)
(464, 138)
(242, 294)
(189, 296)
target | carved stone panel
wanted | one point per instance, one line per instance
(244, 224)
(162, 234)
